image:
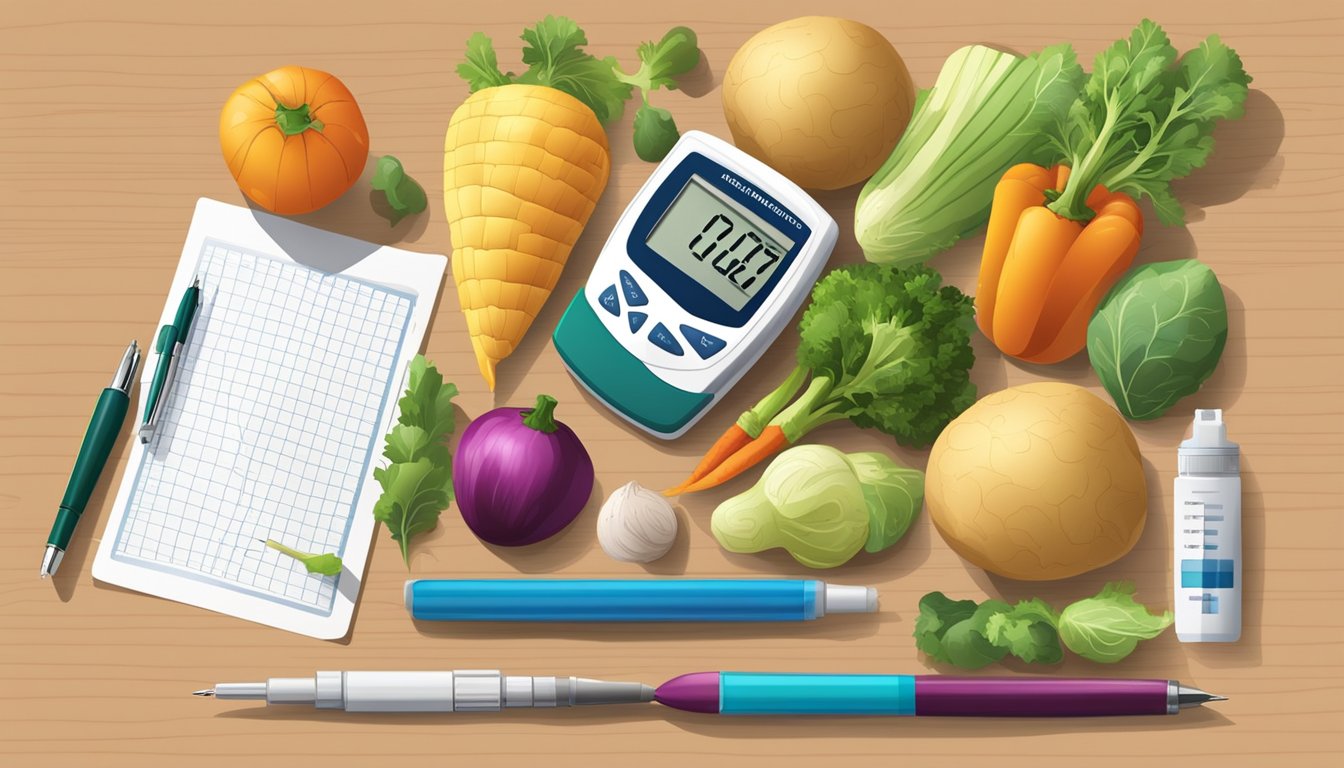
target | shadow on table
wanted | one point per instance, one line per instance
(77, 552)
(755, 727)
(358, 214)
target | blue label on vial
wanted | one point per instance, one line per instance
(1207, 574)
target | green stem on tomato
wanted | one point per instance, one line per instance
(296, 120)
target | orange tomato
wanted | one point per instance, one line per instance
(294, 139)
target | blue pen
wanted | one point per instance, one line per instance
(633, 600)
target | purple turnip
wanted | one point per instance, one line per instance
(520, 475)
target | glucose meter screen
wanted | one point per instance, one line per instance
(718, 244)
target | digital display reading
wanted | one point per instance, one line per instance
(718, 244)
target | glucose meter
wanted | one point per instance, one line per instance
(703, 270)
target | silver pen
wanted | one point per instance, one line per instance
(462, 690)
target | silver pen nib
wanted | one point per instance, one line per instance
(1189, 696)
(204, 692)
(51, 560)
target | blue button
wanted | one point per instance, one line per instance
(636, 320)
(634, 296)
(705, 346)
(664, 339)
(609, 301)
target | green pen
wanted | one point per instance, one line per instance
(169, 346)
(108, 417)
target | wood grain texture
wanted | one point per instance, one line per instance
(108, 115)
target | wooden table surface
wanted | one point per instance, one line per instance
(108, 136)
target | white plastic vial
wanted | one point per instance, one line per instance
(1207, 542)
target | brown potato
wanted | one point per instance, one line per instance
(1036, 482)
(821, 100)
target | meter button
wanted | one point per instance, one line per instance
(663, 339)
(609, 301)
(705, 346)
(634, 295)
(636, 320)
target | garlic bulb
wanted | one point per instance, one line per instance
(636, 525)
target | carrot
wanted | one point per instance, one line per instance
(729, 443)
(748, 427)
(523, 168)
(771, 441)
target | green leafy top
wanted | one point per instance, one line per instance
(889, 348)
(553, 50)
(418, 481)
(1105, 628)
(1139, 123)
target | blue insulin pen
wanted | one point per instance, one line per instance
(633, 600)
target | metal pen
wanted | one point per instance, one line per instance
(463, 690)
(732, 693)
(104, 426)
(169, 344)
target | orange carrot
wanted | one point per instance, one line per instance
(729, 443)
(771, 441)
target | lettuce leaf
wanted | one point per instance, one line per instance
(414, 494)
(1108, 627)
(1158, 336)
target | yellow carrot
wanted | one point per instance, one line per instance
(523, 168)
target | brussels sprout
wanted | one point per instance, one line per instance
(1158, 335)
(822, 506)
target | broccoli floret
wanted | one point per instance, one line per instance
(888, 348)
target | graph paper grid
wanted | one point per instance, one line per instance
(271, 428)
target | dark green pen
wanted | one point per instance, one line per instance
(172, 338)
(108, 417)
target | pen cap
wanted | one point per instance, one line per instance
(1208, 451)
(840, 598)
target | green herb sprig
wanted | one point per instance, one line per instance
(1104, 628)
(553, 51)
(418, 481)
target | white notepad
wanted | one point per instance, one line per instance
(289, 379)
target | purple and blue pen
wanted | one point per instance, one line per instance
(755, 693)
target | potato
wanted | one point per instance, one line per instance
(821, 100)
(1040, 481)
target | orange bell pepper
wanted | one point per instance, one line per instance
(1042, 275)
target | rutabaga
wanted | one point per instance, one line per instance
(987, 111)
